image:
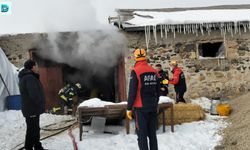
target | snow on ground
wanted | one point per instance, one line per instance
(189, 136)
(202, 135)
(13, 127)
(204, 102)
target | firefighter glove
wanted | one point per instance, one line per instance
(165, 81)
(129, 114)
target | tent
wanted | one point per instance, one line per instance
(10, 77)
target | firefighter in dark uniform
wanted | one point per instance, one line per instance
(163, 76)
(143, 101)
(178, 81)
(68, 95)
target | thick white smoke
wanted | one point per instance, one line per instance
(94, 51)
(74, 36)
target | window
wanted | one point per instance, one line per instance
(211, 50)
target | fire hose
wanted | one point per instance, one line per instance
(51, 135)
(62, 129)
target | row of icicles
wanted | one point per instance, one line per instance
(225, 27)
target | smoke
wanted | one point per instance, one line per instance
(94, 52)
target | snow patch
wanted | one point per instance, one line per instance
(204, 102)
(165, 99)
(96, 102)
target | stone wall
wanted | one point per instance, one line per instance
(205, 77)
(16, 47)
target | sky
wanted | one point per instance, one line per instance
(63, 15)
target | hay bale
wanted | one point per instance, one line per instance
(184, 113)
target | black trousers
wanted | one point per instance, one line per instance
(146, 124)
(32, 139)
(180, 97)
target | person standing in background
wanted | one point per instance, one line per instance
(163, 77)
(178, 81)
(33, 103)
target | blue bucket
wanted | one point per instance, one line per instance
(14, 102)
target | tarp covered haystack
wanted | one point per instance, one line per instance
(9, 75)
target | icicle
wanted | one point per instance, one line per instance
(161, 26)
(249, 25)
(192, 28)
(155, 34)
(235, 27)
(244, 26)
(239, 29)
(231, 29)
(196, 29)
(221, 29)
(210, 28)
(147, 35)
(173, 30)
(224, 35)
(227, 27)
(189, 29)
(201, 28)
(184, 29)
(166, 32)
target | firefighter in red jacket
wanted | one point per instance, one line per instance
(143, 101)
(178, 81)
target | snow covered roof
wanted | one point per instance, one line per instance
(149, 18)
(228, 19)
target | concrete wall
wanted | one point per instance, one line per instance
(204, 77)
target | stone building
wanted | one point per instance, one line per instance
(211, 44)
(214, 52)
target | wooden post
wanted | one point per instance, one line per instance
(163, 119)
(127, 125)
(172, 117)
(80, 124)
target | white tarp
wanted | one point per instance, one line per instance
(10, 77)
(189, 17)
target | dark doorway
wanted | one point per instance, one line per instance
(216, 49)
(94, 85)
(109, 86)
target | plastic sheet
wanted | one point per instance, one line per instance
(9, 74)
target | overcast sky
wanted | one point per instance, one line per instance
(71, 15)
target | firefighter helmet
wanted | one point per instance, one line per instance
(173, 62)
(78, 85)
(140, 54)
